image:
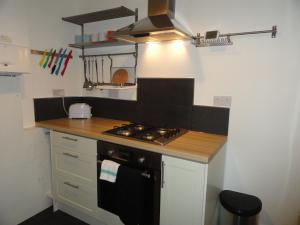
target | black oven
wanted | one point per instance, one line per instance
(147, 164)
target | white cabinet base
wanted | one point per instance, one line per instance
(183, 194)
(190, 194)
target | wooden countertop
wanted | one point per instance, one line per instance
(196, 146)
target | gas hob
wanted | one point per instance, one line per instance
(145, 133)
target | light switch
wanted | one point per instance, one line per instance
(5, 38)
(222, 101)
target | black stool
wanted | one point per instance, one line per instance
(244, 207)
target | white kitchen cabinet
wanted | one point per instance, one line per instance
(183, 192)
(74, 171)
(189, 193)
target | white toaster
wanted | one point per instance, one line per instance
(80, 111)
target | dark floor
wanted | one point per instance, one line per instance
(47, 217)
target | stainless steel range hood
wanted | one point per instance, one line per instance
(160, 25)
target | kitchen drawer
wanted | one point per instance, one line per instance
(76, 193)
(74, 143)
(74, 163)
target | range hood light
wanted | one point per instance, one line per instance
(168, 32)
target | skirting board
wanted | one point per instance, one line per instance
(77, 214)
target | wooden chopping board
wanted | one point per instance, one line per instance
(120, 77)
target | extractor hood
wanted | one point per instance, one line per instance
(160, 25)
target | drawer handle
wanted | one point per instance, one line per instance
(71, 155)
(71, 185)
(70, 139)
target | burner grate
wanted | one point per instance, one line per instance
(150, 134)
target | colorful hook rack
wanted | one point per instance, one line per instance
(54, 60)
(38, 52)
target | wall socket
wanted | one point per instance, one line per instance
(222, 101)
(5, 38)
(58, 92)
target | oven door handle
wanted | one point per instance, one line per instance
(120, 159)
(144, 174)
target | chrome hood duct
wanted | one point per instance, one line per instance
(160, 25)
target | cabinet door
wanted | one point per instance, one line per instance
(183, 192)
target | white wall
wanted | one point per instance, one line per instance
(262, 76)
(24, 153)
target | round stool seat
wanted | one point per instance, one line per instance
(240, 204)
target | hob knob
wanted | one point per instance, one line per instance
(142, 160)
(110, 152)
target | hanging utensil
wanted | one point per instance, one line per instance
(43, 57)
(86, 82)
(56, 60)
(120, 77)
(92, 71)
(90, 84)
(102, 70)
(62, 57)
(48, 57)
(97, 72)
(69, 56)
(52, 58)
(110, 68)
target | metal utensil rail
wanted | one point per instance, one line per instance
(103, 84)
(225, 39)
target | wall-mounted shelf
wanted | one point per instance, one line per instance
(108, 14)
(101, 44)
(9, 74)
(109, 86)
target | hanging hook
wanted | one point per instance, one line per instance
(111, 65)
(274, 31)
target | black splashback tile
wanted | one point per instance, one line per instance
(161, 102)
(113, 109)
(52, 108)
(164, 115)
(173, 91)
(210, 119)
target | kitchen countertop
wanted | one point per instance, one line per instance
(196, 146)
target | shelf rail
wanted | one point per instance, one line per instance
(225, 39)
(273, 33)
(108, 55)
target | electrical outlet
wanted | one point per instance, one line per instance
(5, 38)
(58, 92)
(222, 101)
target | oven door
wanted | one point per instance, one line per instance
(107, 197)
